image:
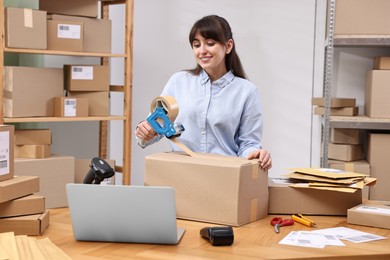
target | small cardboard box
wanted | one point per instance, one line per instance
(345, 152)
(372, 215)
(377, 94)
(288, 200)
(362, 17)
(342, 111)
(30, 91)
(28, 205)
(99, 101)
(31, 225)
(65, 35)
(71, 107)
(345, 136)
(209, 188)
(382, 63)
(87, 77)
(97, 32)
(360, 166)
(378, 146)
(33, 136)
(25, 28)
(334, 102)
(82, 167)
(17, 187)
(6, 152)
(34, 151)
(54, 173)
(88, 8)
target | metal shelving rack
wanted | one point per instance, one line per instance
(357, 122)
(126, 88)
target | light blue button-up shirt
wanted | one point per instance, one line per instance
(223, 117)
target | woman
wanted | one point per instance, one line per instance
(218, 107)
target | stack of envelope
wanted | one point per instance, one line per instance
(328, 179)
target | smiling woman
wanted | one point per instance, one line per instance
(219, 108)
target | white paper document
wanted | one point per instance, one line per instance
(310, 239)
(351, 235)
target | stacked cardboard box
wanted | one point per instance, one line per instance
(377, 93)
(345, 145)
(338, 106)
(21, 210)
(32, 143)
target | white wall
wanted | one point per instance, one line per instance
(276, 41)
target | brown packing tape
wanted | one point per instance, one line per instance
(168, 103)
(253, 210)
(183, 147)
(349, 167)
(28, 18)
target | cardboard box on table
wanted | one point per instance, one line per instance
(30, 91)
(17, 187)
(54, 173)
(32, 225)
(288, 200)
(6, 152)
(25, 28)
(210, 188)
(27, 205)
(372, 214)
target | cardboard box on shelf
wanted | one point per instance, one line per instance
(65, 35)
(99, 102)
(34, 151)
(87, 77)
(372, 215)
(29, 91)
(97, 32)
(378, 144)
(82, 167)
(18, 187)
(209, 188)
(342, 111)
(33, 136)
(345, 136)
(88, 8)
(288, 200)
(25, 28)
(31, 225)
(345, 152)
(7, 152)
(382, 63)
(70, 107)
(360, 166)
(54, 173)
(334, 102)
(28, 205)
(377, 94)
(367, 17)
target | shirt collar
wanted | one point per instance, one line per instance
(221, 83)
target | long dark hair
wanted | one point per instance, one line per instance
(218, 29)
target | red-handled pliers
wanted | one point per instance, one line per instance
(279, 222)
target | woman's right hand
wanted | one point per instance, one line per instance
(145, 132)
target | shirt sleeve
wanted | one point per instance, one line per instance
(251, 126)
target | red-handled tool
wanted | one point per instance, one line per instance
(278, 222)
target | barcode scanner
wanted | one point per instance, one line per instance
(218, 236)
(99, 170)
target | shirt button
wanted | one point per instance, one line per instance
(203, 132)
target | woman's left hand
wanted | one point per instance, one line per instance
(264, 158)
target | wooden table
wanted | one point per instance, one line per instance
(256, 240)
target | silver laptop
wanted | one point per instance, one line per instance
(116, 213)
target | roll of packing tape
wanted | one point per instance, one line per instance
(168, 103)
